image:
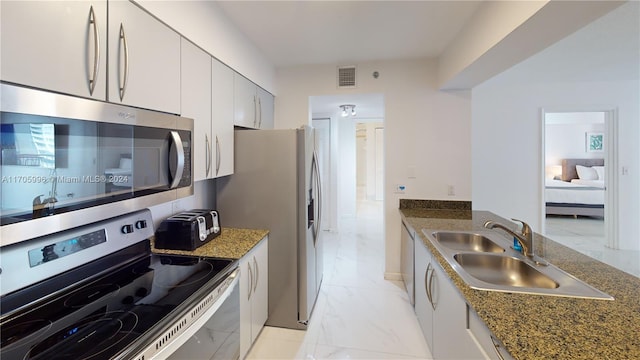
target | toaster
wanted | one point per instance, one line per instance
(188, 230)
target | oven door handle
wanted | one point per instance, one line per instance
(176, 159)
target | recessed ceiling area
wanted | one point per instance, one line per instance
(338, 32)
(294, 33)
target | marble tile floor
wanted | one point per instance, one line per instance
(586, 235)
(358, 314)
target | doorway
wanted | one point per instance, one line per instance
(579, 184)
(343, 136)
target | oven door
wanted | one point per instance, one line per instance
(215, 334)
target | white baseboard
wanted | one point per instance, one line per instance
(393, 276)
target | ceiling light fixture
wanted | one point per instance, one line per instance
(348, 110)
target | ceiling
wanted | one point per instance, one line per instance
(292, 33)
(344, 32)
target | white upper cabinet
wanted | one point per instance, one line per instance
(253, 106)
(55, 45)
(144, 60)
(222, 119)
(245, 102)
(196, 104)
(265, 109)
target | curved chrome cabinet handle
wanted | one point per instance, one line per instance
(260, 110)
(207, 155)
(255, 111)
(250, 280)
(176, 170)
(433, 272)
(426, 284)
(255, 263)
(122, 82)
(218, 156)
(96, 51)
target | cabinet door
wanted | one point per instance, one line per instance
(245, 102)
(246, 290)
(53, 45)
(423, 308)
(260, 297)
(196, 104)
(144, 60)
(265, 109)
(222, 118)
(450, 336)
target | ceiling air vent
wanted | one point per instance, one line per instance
(346, 77)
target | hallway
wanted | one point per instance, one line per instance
(358, 314)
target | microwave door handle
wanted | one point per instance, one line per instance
(179, 168)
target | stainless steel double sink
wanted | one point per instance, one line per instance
(485, 260)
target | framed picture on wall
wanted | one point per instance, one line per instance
(594, 142)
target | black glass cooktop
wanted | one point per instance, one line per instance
(106, 314)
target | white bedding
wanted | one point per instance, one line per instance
(558, 191)
(592, 183)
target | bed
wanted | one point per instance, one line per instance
(572, 194)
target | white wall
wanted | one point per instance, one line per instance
(567, 141)
(204, 23)
(204, 197)
(424, 128)
(346, 168)
(506, 144)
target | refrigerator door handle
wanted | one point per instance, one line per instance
(318, 215)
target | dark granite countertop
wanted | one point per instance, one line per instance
(230, 244)
(546, 327)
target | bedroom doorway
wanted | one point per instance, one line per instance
(579, 177)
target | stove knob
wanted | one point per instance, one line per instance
(128, 300)
(127, 229)
(141, 224)
(142, 292)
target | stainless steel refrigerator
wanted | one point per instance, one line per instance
(276, 186)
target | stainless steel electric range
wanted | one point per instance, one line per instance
(97, 292)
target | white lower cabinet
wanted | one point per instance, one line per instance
(254, 305)
(441, 310)
(491, 347)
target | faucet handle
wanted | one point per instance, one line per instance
(526, 229)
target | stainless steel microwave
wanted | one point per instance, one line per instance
(68, 161)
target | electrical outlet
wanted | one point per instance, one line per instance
(451, 190)
(177, 207)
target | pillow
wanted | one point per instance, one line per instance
(600, 171)
(586, 173)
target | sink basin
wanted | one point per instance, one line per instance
(503, 270)
(467, 241)
(485, 260)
